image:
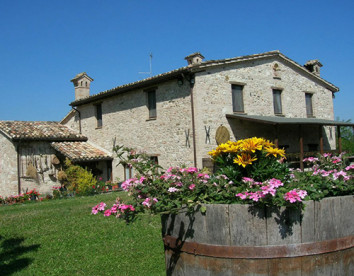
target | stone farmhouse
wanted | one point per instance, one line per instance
(179, 116)
(32, 154)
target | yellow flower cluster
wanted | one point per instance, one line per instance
(245, 150)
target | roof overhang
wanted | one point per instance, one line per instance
(134, 85)
(278, 120)
(82, 151)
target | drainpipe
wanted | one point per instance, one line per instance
(78, 112)
(18, 168)
(191, 81)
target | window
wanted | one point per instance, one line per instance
(128, 172)
(151, 95)
(237, 98)
(308, 99)
(99, 115)
(277, 101)
(155, 159)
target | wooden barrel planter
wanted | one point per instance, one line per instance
(244, 240)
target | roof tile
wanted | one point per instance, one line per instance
(81, 151)
(28, 130)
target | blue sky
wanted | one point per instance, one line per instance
(44, 44)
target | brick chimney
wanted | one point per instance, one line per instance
(82, 85)
(194, 59)
(313, 66)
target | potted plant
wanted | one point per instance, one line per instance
(251, 209)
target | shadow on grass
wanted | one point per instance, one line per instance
(10, 256)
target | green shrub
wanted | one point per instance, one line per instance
(79, 180)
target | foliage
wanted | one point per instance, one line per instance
(328, 175)
(79, 180)
(245, 174)
(347, 136)
(256, 158)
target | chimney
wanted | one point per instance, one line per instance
(82, 85)
(314, 66)
(194, 59)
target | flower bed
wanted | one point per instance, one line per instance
(250, 171)
(32, 195)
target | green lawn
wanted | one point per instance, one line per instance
(61, 237)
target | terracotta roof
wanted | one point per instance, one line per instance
(27, 130)
(187, 69)
(81, 151)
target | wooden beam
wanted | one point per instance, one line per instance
(321, 139)
(301, 145)
(339, 140)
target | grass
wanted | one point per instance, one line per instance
(61, 237)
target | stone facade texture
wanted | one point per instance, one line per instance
(126, 122)
(213, 100)
(39, 154)
(8, 167)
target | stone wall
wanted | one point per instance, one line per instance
(213, 100)
(39, 154)
(8, 167)
(126, 122)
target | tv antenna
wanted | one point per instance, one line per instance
(150, 73)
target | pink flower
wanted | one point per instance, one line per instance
(275, 182)
(247, 179)
(349, 167)
(295, 195)
(101, 206)
(147, 203)
(179, 184)
(241, 195)
(107, 213)
(336, 160)
(124, 207)
(269, 189)
(255, 196)
(172, 189)
(192, 170)
(327, 154)
(325, 173)
(191, 187)
(98, 207)
(336, 175)
(310, 159)
(128, 183)
(203, 175)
